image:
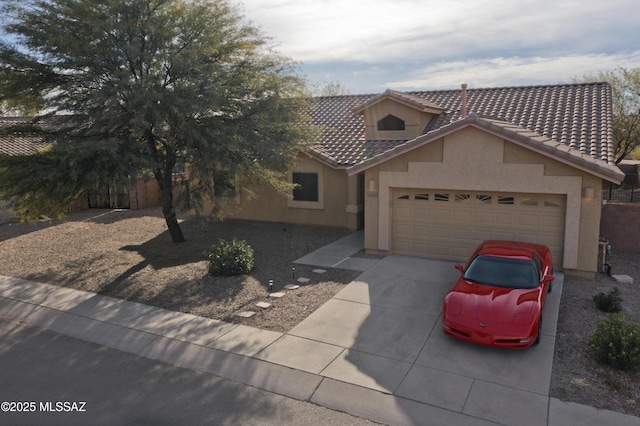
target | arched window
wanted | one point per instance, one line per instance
(391, 122)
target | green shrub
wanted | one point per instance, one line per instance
(609, 302)
(230, 258)
(616, 342)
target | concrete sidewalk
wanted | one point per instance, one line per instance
(375, 350)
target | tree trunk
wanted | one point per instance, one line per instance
(173, 225)
(168, 209)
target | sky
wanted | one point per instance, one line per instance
(370, 46)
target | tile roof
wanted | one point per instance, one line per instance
(513, 132)
(578, 116)
(18, 143)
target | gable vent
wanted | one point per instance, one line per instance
(391, 122)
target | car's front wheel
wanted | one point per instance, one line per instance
(539, 331)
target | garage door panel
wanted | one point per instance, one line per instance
(427, 223)
(403, 246)
(503, 235)
(551, 222)
(421, 246)
(483, 217)
(402, 229)
(505, 219)
(401, 211)
(462, 216)
(421, 231)
(481, 235)
(440, 232)
(527, 238)
(552, 241)
(441, 251)
(460, 253)
(529, 220)
(460, 234)
(421, 213)
(439, 214)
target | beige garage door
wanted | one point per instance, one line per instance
(450, 224)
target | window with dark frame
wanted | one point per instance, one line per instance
(391, 122)
(306, 188)
(224, 184)
(505, 199)
(484, 198)
(180, 167)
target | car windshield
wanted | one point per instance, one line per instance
(502, 272)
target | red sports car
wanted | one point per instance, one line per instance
(499, 297)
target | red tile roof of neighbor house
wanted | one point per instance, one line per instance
(18, 143)
(578, 117)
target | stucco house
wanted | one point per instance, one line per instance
(434, 173)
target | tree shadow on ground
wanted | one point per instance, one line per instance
(133, 258)
(137, 390)
(15, 228)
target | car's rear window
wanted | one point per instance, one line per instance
(502, 272)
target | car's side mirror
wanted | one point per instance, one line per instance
(460, 267)
(548, 278)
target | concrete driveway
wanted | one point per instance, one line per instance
(383, 332)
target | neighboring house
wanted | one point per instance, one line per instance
(146, 193)
(433, 173)
(631, 170)
(20, 144)
(15, 145)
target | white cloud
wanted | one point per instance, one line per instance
(426, 43)
(316, 30)
(495, 72)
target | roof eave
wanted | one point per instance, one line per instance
(324, 159)
(396, 98)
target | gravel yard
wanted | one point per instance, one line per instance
(129, 255)
(576, 376)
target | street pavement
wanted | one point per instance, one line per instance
(60, 380)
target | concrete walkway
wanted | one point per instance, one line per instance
(340, 254)
(375, 350)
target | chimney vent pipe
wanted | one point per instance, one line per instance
(464, 100)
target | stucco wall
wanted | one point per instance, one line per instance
(474, 160)
(620, 224)
(272, 206)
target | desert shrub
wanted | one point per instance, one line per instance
(616, 342)
(609, 302)
(229, 258)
